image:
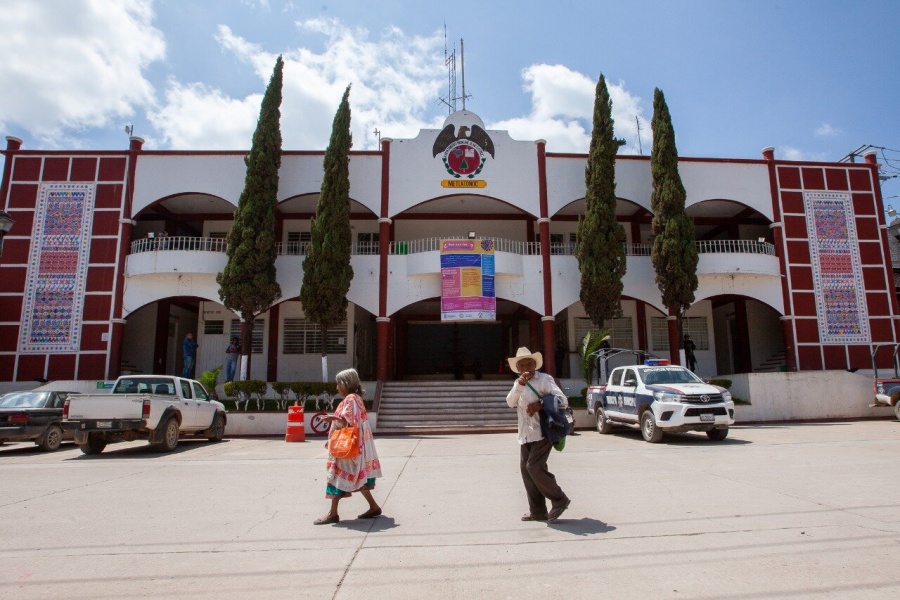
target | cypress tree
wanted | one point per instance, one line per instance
(674, 253)
(601, 239)
(326, 271)
(248, 286)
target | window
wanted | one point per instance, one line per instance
(259, 329)
(199, 394)
(621, 329)
(367, 243)
(213, 327)
(297, 241)
(696, 327)
(300, 336)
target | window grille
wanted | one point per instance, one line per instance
(213, 327)
(258, 333)
(696, 327)
(300, 336)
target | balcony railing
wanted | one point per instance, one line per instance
(182, 243)
(198, 244)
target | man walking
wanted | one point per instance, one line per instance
(189, 348)
(525, 397)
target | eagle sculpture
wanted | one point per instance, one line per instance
(478, 136)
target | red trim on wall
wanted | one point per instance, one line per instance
(61, 366)
(84, 169)
(9, 337)
(23, 196)
(13, 278)
(109, 195)
(103, 250)
(7, 365)
(91, 366)
(26, 169)
(31, 367)
(836, 180)
(112, 169)
(100, 279)
(105, 223)
(96, 307)
(56, 169)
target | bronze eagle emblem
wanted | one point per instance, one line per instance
(478, 136)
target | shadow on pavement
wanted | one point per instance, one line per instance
(144, 450)
(583, 526)
(382, 523)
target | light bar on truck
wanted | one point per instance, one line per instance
(656, 362)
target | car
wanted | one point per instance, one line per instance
(658, 398)
(33, 416)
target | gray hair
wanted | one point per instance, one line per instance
(349, 378)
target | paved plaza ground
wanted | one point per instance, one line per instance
(775, 511)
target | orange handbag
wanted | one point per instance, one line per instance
(344, 442)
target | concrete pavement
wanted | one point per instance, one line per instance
(775, 511)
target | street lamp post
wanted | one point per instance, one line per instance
(6, 224)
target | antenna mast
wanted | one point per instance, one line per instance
(640, 147)
(450, 63)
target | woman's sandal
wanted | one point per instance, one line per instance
(370, 514)
(327, 520)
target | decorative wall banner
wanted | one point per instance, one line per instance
(467, 280)
(54, 286)
(837, 271)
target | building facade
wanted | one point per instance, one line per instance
(113, 259)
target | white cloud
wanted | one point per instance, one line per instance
(826, 130)
(791, 153)
(563, 107)
(74, 64)
(394, 81)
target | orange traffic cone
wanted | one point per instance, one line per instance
(296, 430)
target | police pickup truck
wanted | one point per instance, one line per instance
(660, 398)
(156, 408)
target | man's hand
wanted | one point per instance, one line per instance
(525, 377)
(532, 408)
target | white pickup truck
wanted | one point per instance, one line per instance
(157, 408)
(660, 398)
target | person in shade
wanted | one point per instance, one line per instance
(525, 397)
(232, 355)
(348, 475)
(189, 348)
(689, 348)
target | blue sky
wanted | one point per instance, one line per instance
(814, 79)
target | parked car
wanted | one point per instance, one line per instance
(33, 416)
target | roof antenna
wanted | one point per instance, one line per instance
(450, 62)
(640, 147)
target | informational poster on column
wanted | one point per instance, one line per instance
(467, 280)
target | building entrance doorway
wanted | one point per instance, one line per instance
(458, 350)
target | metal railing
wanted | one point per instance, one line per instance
(178, 243)
(201, 244)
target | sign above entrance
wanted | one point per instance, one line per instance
(463, 183)
(467, 280)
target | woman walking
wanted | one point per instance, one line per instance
(348, 475)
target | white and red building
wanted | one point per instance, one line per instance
(113, 259)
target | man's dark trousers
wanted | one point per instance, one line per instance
(539, 482)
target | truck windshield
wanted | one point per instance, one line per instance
(662, 375)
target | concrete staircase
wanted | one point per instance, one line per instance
(417, 407)
(773, 364)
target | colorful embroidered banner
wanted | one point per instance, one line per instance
(54, 286)
(467, 280)
(837, 271)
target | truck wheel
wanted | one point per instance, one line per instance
(603, 424)
(95, 444)
(52, 439)
(717, 435)
(649, 429)
(170, 436)
(217, 431)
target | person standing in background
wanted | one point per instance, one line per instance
(189, 348)
(232, 354)
(689, 357)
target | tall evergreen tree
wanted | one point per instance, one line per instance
(326, 271)
(674, 253)
(601, 239)
(248, 285)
